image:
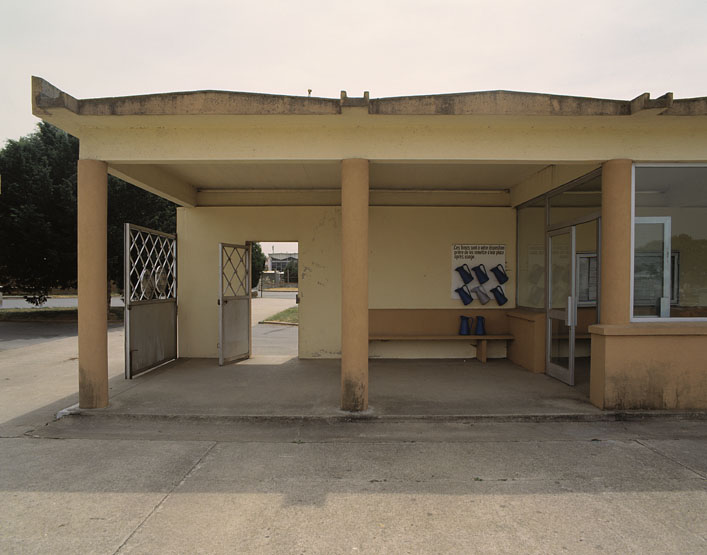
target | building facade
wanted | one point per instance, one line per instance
(590, 212)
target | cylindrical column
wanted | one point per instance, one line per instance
(616, 242)
(354, 284)
(92, 280)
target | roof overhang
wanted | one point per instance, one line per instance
(491, 148)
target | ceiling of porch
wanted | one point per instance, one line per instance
(393, 183)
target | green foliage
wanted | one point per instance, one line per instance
(38, 214)
(291, 271)
(258, 264)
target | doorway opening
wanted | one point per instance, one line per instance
(275, 303)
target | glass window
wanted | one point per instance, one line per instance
(582, 199)
(670, 242)
(531, 255)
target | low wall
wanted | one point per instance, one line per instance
(649, 366)
(528, 347)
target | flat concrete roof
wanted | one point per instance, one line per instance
(46, 97)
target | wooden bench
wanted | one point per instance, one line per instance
(482, 340)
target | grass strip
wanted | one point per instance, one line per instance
(289, 316)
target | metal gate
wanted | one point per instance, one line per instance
(150, 299)
(234, 334)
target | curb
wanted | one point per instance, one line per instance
(609, 416)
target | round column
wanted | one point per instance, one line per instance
(354, 284)
(92, 282)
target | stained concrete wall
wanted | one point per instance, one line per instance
(649, 366)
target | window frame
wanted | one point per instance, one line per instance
(657, 319)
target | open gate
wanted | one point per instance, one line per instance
(234, 333)
(150, 299)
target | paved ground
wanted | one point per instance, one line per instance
(23, 334)
(165, 484)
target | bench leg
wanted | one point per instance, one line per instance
(481, 351)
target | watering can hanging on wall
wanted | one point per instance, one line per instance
(465, 325)
(481, 274)
(501, 298)
(480, 326)
(464, 294)
(481, 294)
(465, 273)
(500, 273)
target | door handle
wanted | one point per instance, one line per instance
(569, 320)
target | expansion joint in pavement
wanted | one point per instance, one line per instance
(162, 501)
(672, 459)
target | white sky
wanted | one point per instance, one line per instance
(279, 247)
(614, 49)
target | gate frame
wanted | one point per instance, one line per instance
(127, 292)
(222, 299)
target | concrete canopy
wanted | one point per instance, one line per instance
(494, 148)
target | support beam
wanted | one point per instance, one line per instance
(354, 284)
(92, 283)
(616, 242)
(157, 181)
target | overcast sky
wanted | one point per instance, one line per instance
(615, 49)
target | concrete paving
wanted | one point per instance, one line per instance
(367, 487)
(23, 334)
(144, 479)
(284, 386)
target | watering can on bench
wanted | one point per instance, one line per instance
(465, 325)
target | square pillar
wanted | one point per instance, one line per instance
(354, 284)
(616, 242)
(92, 197)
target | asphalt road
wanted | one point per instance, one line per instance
(52, 302)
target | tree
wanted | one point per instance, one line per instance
(291, 271)
(257, 264)
(38, 214)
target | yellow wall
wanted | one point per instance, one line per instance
(411, 251)
(318, 231)
(409, 264)
(357, 134)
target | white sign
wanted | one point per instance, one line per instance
(479, 260)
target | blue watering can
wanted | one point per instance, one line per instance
(480, 326)
(465, 273)
(465, 325)
(500, 273)
(481, 274)
(501, 298)
(465, 294)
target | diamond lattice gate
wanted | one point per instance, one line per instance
(234, 333)
(150, 299)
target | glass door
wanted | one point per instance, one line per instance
(652, 267)
(561, 304)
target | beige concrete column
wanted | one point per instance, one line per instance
(616, 242)
(354, 284)
(93, 277)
